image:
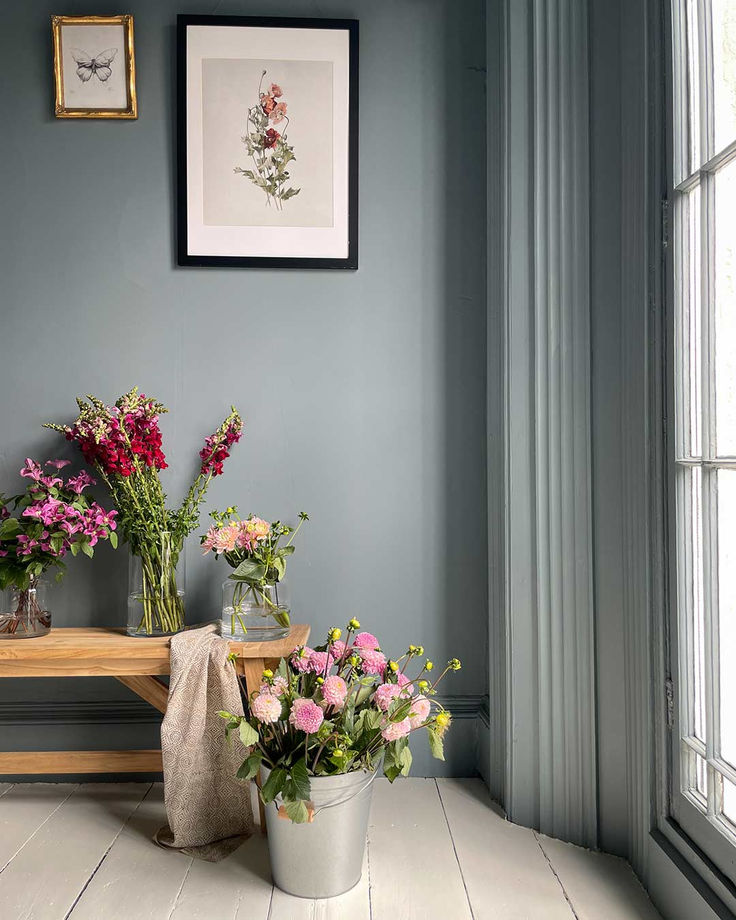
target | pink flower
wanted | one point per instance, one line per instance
(419, 712)
(403, 681)
(319, 662)
(266, 707)
(276, 91)
(384, 694)
(278, 114)
(366, 640)
(334, 691)
(58, 464)
(31, 470)
(337, 649)
(267, 103)
(300, 658)
(279, 686)
(372, 662)
(80, 482)
(392, 731)
(306, 716)
(210, 539)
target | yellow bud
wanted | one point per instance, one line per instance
(320, 680)
(422, 684)
(354, 624)
(267, 674)
(338, 752)
(443, 719)
(334, 634)
(429, 665)
(394, 666)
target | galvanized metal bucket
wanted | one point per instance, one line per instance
(324, 858)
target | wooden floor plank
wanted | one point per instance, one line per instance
(354, 904)
(45, 878)
(413, 871)
(238, 888)
(137, 879)
(505, 872)
(23, 809)
(598, 885)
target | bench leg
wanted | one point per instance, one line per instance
(150, 689)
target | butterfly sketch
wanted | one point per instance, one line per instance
(99, 66)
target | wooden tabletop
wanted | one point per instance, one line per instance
(88, 651)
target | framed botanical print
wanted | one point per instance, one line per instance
(267, 142)
(94, 67)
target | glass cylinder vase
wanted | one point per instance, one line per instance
(254, 612)
(156, 589)
(24, 613)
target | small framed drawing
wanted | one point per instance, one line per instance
(94, 67)
(267, 142)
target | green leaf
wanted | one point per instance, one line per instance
(436, 744)
(87, 549)
(297, 811)
(404, 761)
(248, 734)
(113, 539)
(75, 549)
(9, 528)
(274, 784)
(250, 766)
(298, 786)
(249, 571)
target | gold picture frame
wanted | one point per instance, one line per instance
(89, 82)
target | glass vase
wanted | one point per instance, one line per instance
(156, 589)
(24, 614)
(254, 612)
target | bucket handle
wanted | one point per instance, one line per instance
(344, 801)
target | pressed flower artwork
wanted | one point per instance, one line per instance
(267, 147)
(268, 142)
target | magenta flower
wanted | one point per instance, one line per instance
(57, 464)
(31, 470)
(80, 482)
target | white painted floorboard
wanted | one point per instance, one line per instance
(436, 849)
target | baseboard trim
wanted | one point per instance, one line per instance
(113, 712)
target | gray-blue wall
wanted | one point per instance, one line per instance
(363, 392)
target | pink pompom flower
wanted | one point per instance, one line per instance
(419, 712)
(277, 687)
(392, 731)
(300, 658)
(372, 662)
(306, 715)
(366, 640)
(384, 694)
(266, 707)
(403, 681)
(334, 691)
(319, 662)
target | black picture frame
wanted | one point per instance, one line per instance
(187, 258)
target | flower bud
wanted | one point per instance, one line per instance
(454, 664)
(443, 719)
(354, 624)
(320, 680)
(393, 666)
(423, 685)
(419, 650)
(338, 752)
(354, 661)
(334, 634)
(429, 665)
(267, 674)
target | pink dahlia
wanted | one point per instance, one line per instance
(403, 681)
(300, 658)
(306, 715)
(392, 731)
(366, 640)
(337, 649)
(334, 691)
(384, 694)
(372, 662)
(277, 687)
(319, 662)
(266, 707)
(419, 712)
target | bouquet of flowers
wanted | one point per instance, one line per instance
(50, 519)
(339, 708)
(123, 443)
(267, 147)
(253, 548)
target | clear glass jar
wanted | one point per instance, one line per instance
(156, 589)
(25, 614)
(254, 613)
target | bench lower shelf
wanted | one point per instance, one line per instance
(52, 762)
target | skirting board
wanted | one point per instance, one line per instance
(466, 748)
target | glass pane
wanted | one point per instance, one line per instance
(687, 104)
(723, 18)
(701, 776)
(692, 619)
(725, 309)
(689, 323)
(727, 610)
(729, 801)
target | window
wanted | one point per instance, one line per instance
(703, 193)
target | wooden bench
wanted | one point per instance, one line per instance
(135, 662)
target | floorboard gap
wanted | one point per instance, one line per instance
(104, 855)
(554, 872)
(181, 888)
(454, 849)
(47, 818)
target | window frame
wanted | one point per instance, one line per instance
(707, 841)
